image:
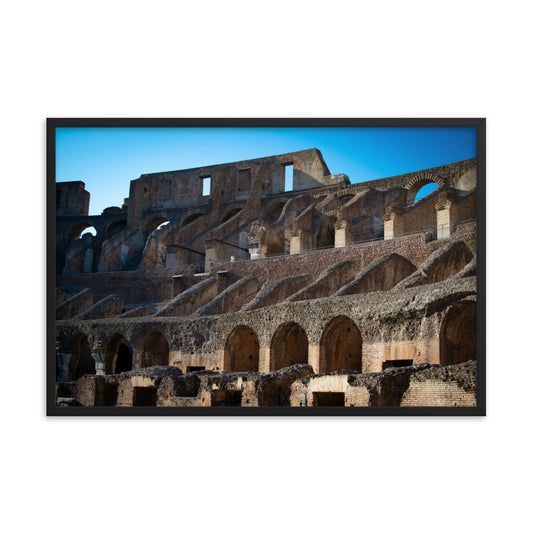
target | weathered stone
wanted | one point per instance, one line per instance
(330, 293)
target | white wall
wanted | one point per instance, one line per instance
(244, 59)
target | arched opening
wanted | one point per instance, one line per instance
(289, 346)
(422, 188)
(458, 334)
(325, 235)
(77, 230)
(155, 350)
(124, 358)
(274, 211)
(426, 190)
(153, 224)
(274, 243)
(191, 218)
(346, 199)
(114, 228)
(241, 353)
(118, 355)
(81, 362)
(230, 214)
(91, 230)
(341, 346)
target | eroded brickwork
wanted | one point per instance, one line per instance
(223, 270)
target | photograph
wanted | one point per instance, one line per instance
(288, 266)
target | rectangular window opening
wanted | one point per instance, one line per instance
(195, 369)
(397, 363)
(205, 183)
(145, 396)
(289, 175)
(330, 399)
(226, 398)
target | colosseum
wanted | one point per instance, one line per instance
(222, 286)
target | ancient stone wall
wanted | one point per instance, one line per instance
(72, 198)
(356, 285)
(295, 386)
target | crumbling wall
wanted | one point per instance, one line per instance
(414, 386)
(72, 198)
(443, 386)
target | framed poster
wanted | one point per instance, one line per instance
(266, 266)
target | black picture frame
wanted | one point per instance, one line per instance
(478, 123)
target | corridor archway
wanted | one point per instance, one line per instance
(241, 353)
(81, 362)
(458, 334)
(118, 354)
(341, 346)
(289, 346)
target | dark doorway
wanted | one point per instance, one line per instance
(289, 346)
(195, 368)
(109, 395)
(329, 399)
(397, 363)
(124, 358)
(145, 396)
(226, 398)
(242, 350)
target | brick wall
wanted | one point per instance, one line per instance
(412, 247)
(433, 393)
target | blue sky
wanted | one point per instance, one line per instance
(107, 159)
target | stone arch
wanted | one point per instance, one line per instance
(81, 361)
(274, 242)
(191, 218)
(458, 334)
(418, 181)
(124, 360)
(114, 228)
(273, 212)
(345, 198)
(289, 346)
(152, 224)
(118, 354)
(155, 350)
(74, 232)
(230, 214)
(341, 346)
(88, 229)
(325, 234)
(241, 353)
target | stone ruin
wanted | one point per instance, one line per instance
(222, 285)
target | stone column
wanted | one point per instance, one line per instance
(256, 234)
(63, 360)
(295, 243)
(300, 241)
(264, 358)
(97, 353)
(124, 252)
(343, 235)
(210, 254)
(88, 260)
(443, 207)
(137, 357)
(392, 222)
(313, 356)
